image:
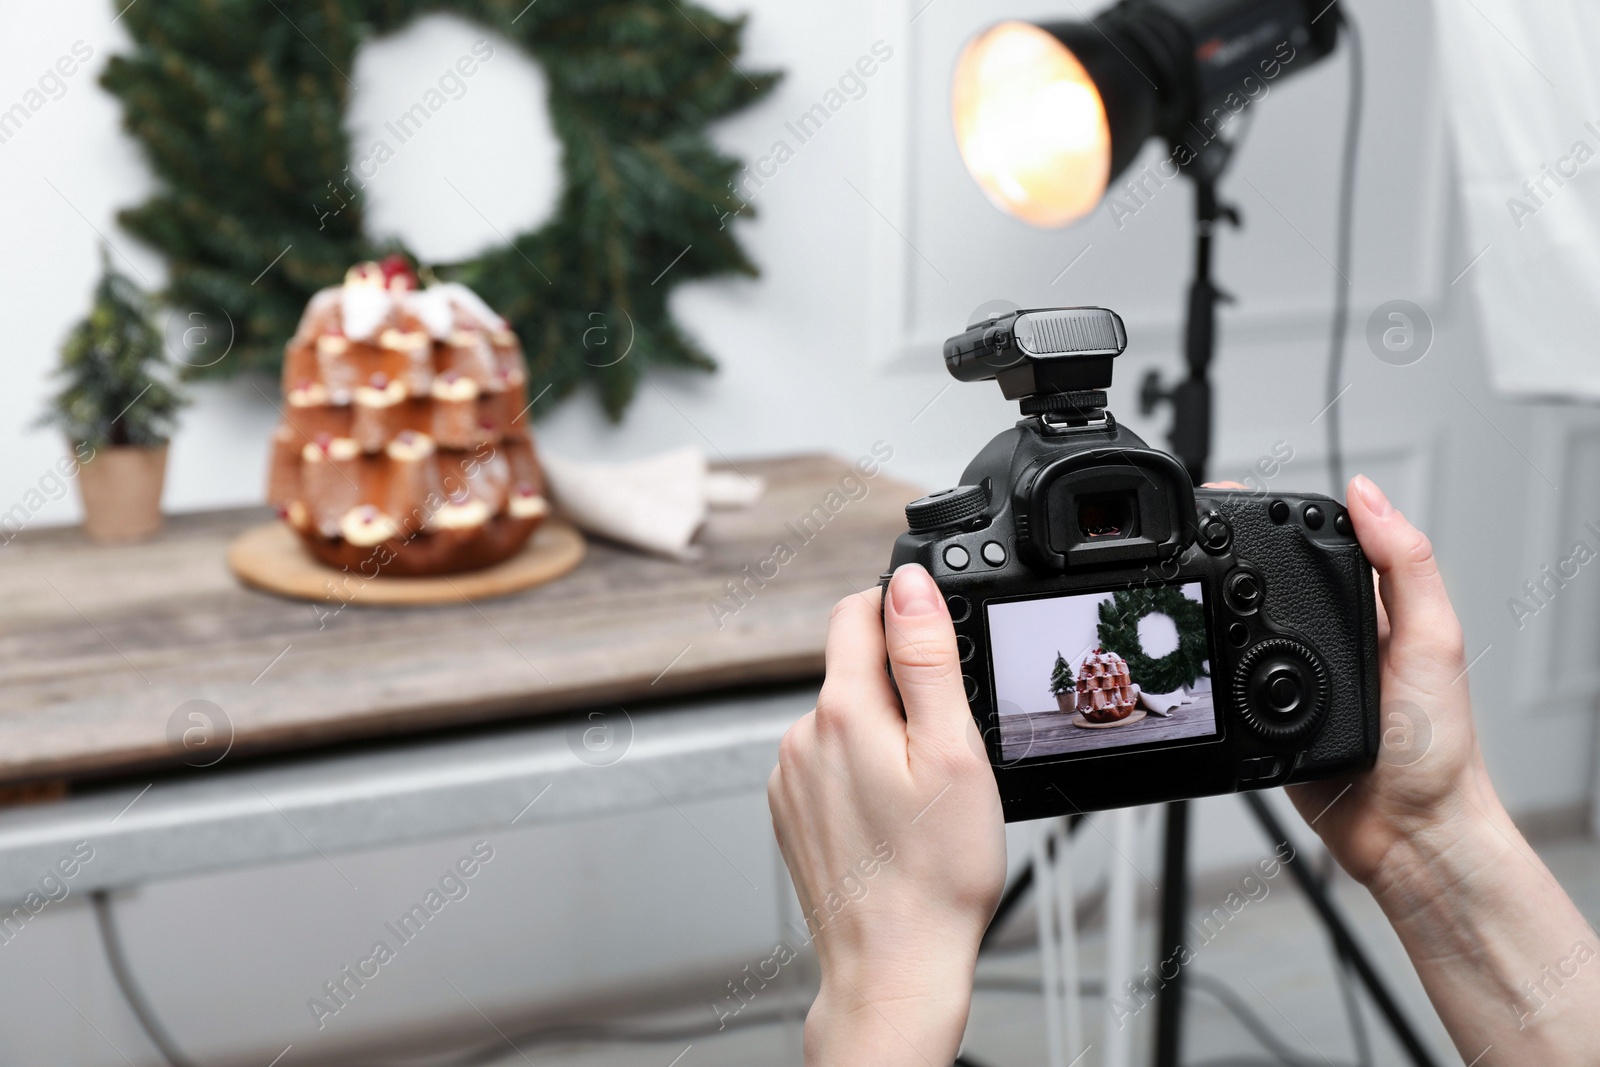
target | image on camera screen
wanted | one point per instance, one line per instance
(1060, 690)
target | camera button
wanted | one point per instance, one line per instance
(1242, 592)
(971, 685)
(1313, 516)
(1238, 635)
(960, 608)
(956, 558)
(1278, 511)
(965, 648)
(1284, 691)
(1215, 535)
(1341, 523)
(994, 553)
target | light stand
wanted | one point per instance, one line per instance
(1191, 398)
(1191, 443)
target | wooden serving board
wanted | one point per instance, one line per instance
(100, 645)
(1127, 720)
(271, 557)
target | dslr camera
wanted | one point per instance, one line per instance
(1125, 637)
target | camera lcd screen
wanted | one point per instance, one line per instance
(1088, 672)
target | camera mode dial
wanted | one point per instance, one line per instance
(947, 507)
(1281, 687)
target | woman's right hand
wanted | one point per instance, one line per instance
(1429, 783)
(1477, 911)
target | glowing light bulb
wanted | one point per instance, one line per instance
(1030, 125)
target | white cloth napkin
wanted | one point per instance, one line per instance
(1161, 704)
(656, 504)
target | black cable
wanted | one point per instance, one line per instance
(1341, 283)
(600, 1033)
(610, 1032)
(1218, 990)
(1345, 972)
(128, 986)
(1352, 1007)
(1235, 1004)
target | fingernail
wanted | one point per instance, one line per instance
(1372, 496)
(912, 591)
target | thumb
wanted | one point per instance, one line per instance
(922, 653)
(1413, 591)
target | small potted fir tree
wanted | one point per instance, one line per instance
(117, 410)
(1064, 685)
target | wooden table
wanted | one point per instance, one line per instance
(100, 647)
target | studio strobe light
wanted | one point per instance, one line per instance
(1046, 116)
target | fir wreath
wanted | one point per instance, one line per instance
(1119, 633)
(240, 105)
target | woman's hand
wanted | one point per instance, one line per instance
(1477, 911)
(891, 826)
(1430, 779)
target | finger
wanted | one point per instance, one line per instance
(922, 652)
(1409, 583)
(1222, 485)
(855, 689)
(854, 652)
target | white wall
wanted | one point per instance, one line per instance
(872, 244)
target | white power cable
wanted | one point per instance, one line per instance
(1121, 928)
(1067, 917)
(1045, 900)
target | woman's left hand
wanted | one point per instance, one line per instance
(890, 823)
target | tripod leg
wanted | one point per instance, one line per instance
(1174, 914)
(1342, 935)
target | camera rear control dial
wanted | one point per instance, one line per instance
(947, 507)
(1281, 687)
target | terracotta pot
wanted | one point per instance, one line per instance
(121, 490)
(1068, 701)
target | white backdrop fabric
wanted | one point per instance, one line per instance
(1522, 96)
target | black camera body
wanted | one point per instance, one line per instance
(1126, 638)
